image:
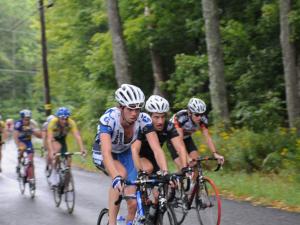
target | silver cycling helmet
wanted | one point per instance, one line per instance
(49, 118)
(25, 113)
(130, 96)
(196, 105)
(157, 104)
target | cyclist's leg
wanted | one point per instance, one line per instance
(174, 155)
(146, 165)
(20, 148)
(126, 160)
(30, 153)
(54, 176)
(114, 195)
(191, 148)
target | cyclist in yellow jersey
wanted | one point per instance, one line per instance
(2, 137)
(58, 128)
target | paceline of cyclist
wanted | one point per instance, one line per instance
(117, 130)
(146, 158)
(57, 131)
(2, 138)
(187, 122)
(23, 130)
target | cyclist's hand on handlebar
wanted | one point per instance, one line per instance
(83, 152)
(219, 157)
(172, 178)
(118, 183)
(187, 171)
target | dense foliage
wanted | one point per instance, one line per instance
(82, 72)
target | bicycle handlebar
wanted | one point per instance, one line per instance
(207, 158)
(67, 154)
(141, 181)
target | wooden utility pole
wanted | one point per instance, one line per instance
(44, 59)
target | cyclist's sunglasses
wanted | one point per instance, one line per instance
(198, 114)
(135, 106)
(63, 118)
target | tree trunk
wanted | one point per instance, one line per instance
(157, 72)
(156, 63)
(120, 54)
(289, 63)
(217, 85)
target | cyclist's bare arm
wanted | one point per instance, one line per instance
(108, 160)
(16, 135)
(135, 149)
(78, 138)
(50, 140)
(37, 133)
(179, 145)
(157, 150)
(211, 145)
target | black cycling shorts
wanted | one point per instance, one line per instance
(189, 144)
(148, 154)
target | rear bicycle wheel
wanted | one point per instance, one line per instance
(70, 194)
(208, 203)
(103, 217)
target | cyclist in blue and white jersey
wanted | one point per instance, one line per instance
(118, 129)
(23, 131)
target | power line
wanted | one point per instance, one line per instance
(19, 71)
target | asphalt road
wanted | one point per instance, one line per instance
(91, 196)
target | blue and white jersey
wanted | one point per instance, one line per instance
(110, 123)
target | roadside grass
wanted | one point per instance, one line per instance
(261, 189)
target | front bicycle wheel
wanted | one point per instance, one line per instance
(178, 205)
(70, 194)
(103, 217)
(166, 218)
(32, 189)
(48, 171)
(21, 177)
(208, 203)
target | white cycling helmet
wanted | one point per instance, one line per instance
(49, 118)
(130, 96)
(25, 113)
(196, 105)
(157, 104)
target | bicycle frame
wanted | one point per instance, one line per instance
(200, 178)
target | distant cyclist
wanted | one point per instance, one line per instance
(23, 131)
(2, 138)
(57, 131)
(187, 122)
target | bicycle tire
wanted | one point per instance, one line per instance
(103, 217)
(32, 190)
(177, 206)
(167, 217)
(208, 203)
(21, 178)
(70, 194)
